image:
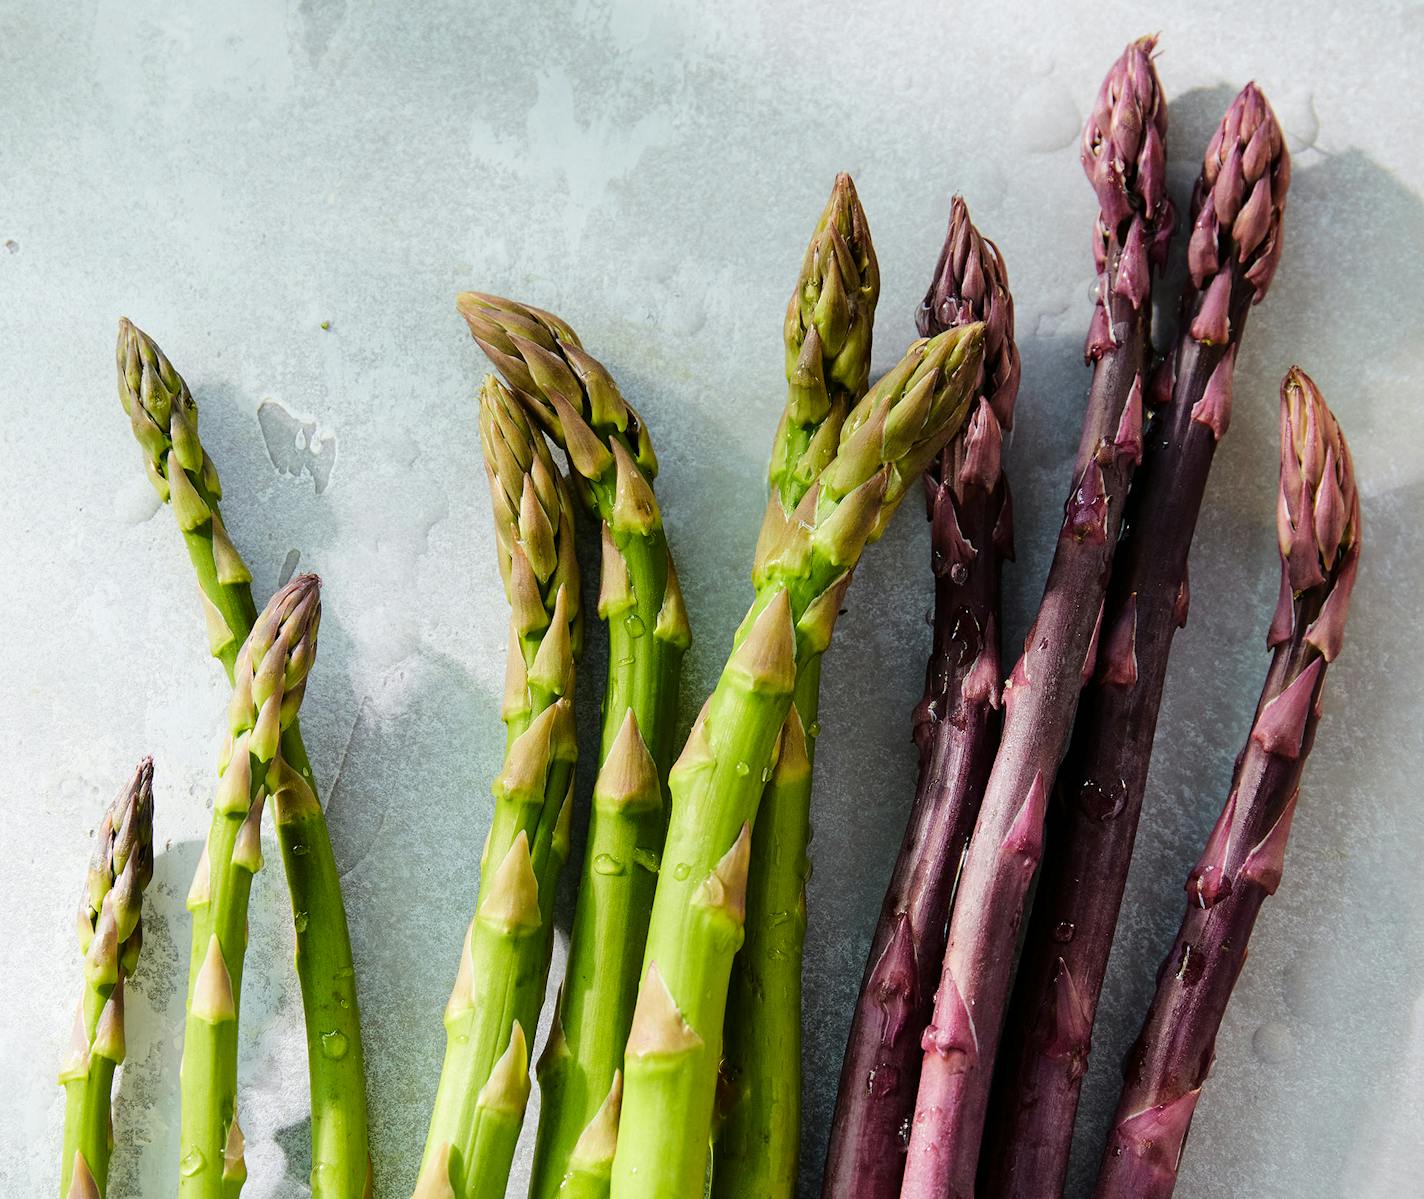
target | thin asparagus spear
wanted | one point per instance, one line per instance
(1318, 519)
(499, 988)
(956, 730)
(269, 679)
(110, 932)
(827, 334)
(1123, 156)
(575, 398)
(165, 423)
(675, 1044)
(1236, 240)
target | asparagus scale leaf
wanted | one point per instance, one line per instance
(269, 680)
(1318, 522)
(164, 418)
(828, 341)
(110, 925)
(504, 964)
(1123, 157)
(674, 1048)
(1237, 209)
(956, 727)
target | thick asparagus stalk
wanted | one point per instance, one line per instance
(1236, 240)
(269, 679)
(956, 730)
(1318, 518)
(110, 932)
(675, 1044)
(499, 988)
(1123, 156)
(827, 335)
(575, 398)
(165, 423)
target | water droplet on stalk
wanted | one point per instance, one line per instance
(606, 863)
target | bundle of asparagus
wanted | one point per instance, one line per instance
(678, 1022)
(110, 923)
(956, 731)
(1318, 522)
(1235, 243)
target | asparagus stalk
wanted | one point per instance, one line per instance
(269, 679)
(165, 423)
(675, 1044)
(575, 398)
(1236, 239)
(956, 728)
(1123, 156)
(827, 334)
(1318, 519)
(110, 932)
(499, 988)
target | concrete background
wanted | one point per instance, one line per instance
(287, 195)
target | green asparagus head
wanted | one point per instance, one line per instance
(887, 441)
(572, 396)
(533, 513)
(827, 334)
(110, 922)
(162, 412)
(270, 677)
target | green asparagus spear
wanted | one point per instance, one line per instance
(575, 398)
(828, 337)
(110, 933)
(492, 1011)
(269, 680)
(675, 1044)
(165, 423)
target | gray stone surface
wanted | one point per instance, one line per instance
(288, 195)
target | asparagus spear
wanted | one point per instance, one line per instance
(165, 423)
(575, 398)
(499, 989)
(1318, 520)
(1123, 156)
(956, 729)
(1236, 239)
(110, 932)
(827, 335)
(269, 679)
(675, 1043)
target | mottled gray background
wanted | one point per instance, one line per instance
(235, 176)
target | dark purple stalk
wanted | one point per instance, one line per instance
(956, 730)
(1319, 526)
(1093, 820)
(1123, 154)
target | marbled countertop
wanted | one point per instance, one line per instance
(288, 193)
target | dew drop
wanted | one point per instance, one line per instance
(606, 863)
(635, 626)
(766, 774)
(681, 871)
(959, 574)
(300, 920)
(1063, 931)
(193, 1162)
(815, 729)
(743, 770)
(333, 1045)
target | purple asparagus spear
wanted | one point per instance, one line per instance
(1123, 155)
(1318, 521)
(956, 729)
(1236, 240)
